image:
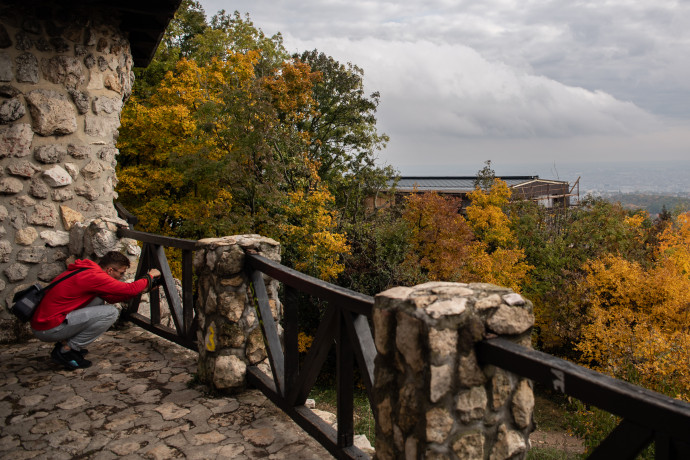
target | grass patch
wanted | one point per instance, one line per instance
(551, 410)
(550, 453)
(325, 397)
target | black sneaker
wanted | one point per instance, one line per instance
(82, 352)
(70, 360)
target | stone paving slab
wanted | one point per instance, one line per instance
(137, 401)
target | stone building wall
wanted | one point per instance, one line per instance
(64, 76)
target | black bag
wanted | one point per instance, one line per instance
(24, 302)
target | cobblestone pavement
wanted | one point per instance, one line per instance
(136, 401)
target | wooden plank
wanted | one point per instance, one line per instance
(157, 239)
(144, 262)
(162, 331)
(170, 289)
(273, 346)
(154, 295)
(625, 442)
(126, 215)
(639, 405)
(346, 381)
(290, 336)
(359, 333)
(322, 432)
(317, 354)
(188, 293)
(335, 295)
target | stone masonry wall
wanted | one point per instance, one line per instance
(434, 400)
(229, 335)
(64, 76)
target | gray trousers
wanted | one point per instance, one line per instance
(82, 326)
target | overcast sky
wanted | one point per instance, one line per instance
(538, 82)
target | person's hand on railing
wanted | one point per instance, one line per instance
(153, 276)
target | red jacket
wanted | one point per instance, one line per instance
(78, 291)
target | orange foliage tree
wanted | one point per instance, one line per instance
(639, 317)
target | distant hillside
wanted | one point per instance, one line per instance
(652, 203)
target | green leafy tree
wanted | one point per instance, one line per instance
(345, 139)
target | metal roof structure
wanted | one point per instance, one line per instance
(454, 184)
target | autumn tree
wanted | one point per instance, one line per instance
(345, 139)
(499, 260)
(557, 245)
(441, 241)
(638, 321)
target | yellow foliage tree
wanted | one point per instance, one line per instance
(226, 156)
(497, 259)
(638, 324)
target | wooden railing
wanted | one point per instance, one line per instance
(647, 417)
(181, 308)
(344, 324)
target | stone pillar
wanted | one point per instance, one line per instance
(64, 76)
(230, 338)
(434, 400)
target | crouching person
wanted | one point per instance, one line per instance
(75, 312)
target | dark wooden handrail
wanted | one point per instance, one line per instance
(350, 300)
(647, 415)
(160, 240)
(344, 324)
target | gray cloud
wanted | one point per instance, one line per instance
(544, 79)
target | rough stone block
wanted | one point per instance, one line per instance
(229, 372)
(22, 168)
(70, 217)
(50, 154)
(55, 238)
(469, 446)
(438, 425)
(101, 126)
(78, 151)
(26, 236)
(32, 255)
(6, 73)
(522, 404)
(15, 140)
(64, 70)
(407, 340)
(441, 379)
(38, 189)
(510, 320)
(5, 251)
(57, 177)
(26, 68)
(48, 272)
(471, 404)
(44, 214)
(52, 113)
(11, 110)
(10, 186)
(501, 388)
(92, 171)
(16, 272)
(509, 444)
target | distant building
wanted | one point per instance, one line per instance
(546, 192)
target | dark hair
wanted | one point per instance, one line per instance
(114, 258)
